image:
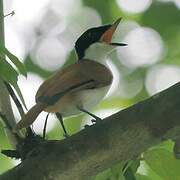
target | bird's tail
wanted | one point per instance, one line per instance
(30, 116)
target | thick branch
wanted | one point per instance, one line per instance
(120, 137)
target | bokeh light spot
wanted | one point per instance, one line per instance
(65, 8)
(129, 88)
(123, 29)
(82, 20)
(14, 42)
(177, 3)
(133, 6)
(29, 10)
(161, 77)
(49, 54)
(145, 47)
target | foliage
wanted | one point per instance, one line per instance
(9, 72)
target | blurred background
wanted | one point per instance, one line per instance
(42, 35)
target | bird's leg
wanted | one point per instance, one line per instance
(45, 124)
(96, 118)
(59, 116)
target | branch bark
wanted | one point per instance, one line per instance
(120, 137)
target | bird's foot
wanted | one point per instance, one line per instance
(96, 120)
(66, 135)
(86, 126)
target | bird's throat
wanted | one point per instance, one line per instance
(98, 52)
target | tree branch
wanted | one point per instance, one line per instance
(120, 137)
(5, 105)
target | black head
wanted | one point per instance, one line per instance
(96, 34)
(89, 37)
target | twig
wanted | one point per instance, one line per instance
(18, 104)
(12, 13)
(15, 99)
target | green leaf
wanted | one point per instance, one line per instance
(116, 170)
(104, 175)
(167, 145)
(134, 164)
(16, 87)
(144, 169)
(7, 72)
(129, 174)
(142, 177)
(6, 163)
(20, 66)
(163, 163)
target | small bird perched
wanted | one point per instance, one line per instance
(80, 86)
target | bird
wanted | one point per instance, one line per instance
(80, 86)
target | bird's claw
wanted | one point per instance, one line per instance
(86, 126)
(66, 135)
(97, 120)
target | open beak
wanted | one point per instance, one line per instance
(108, 34)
